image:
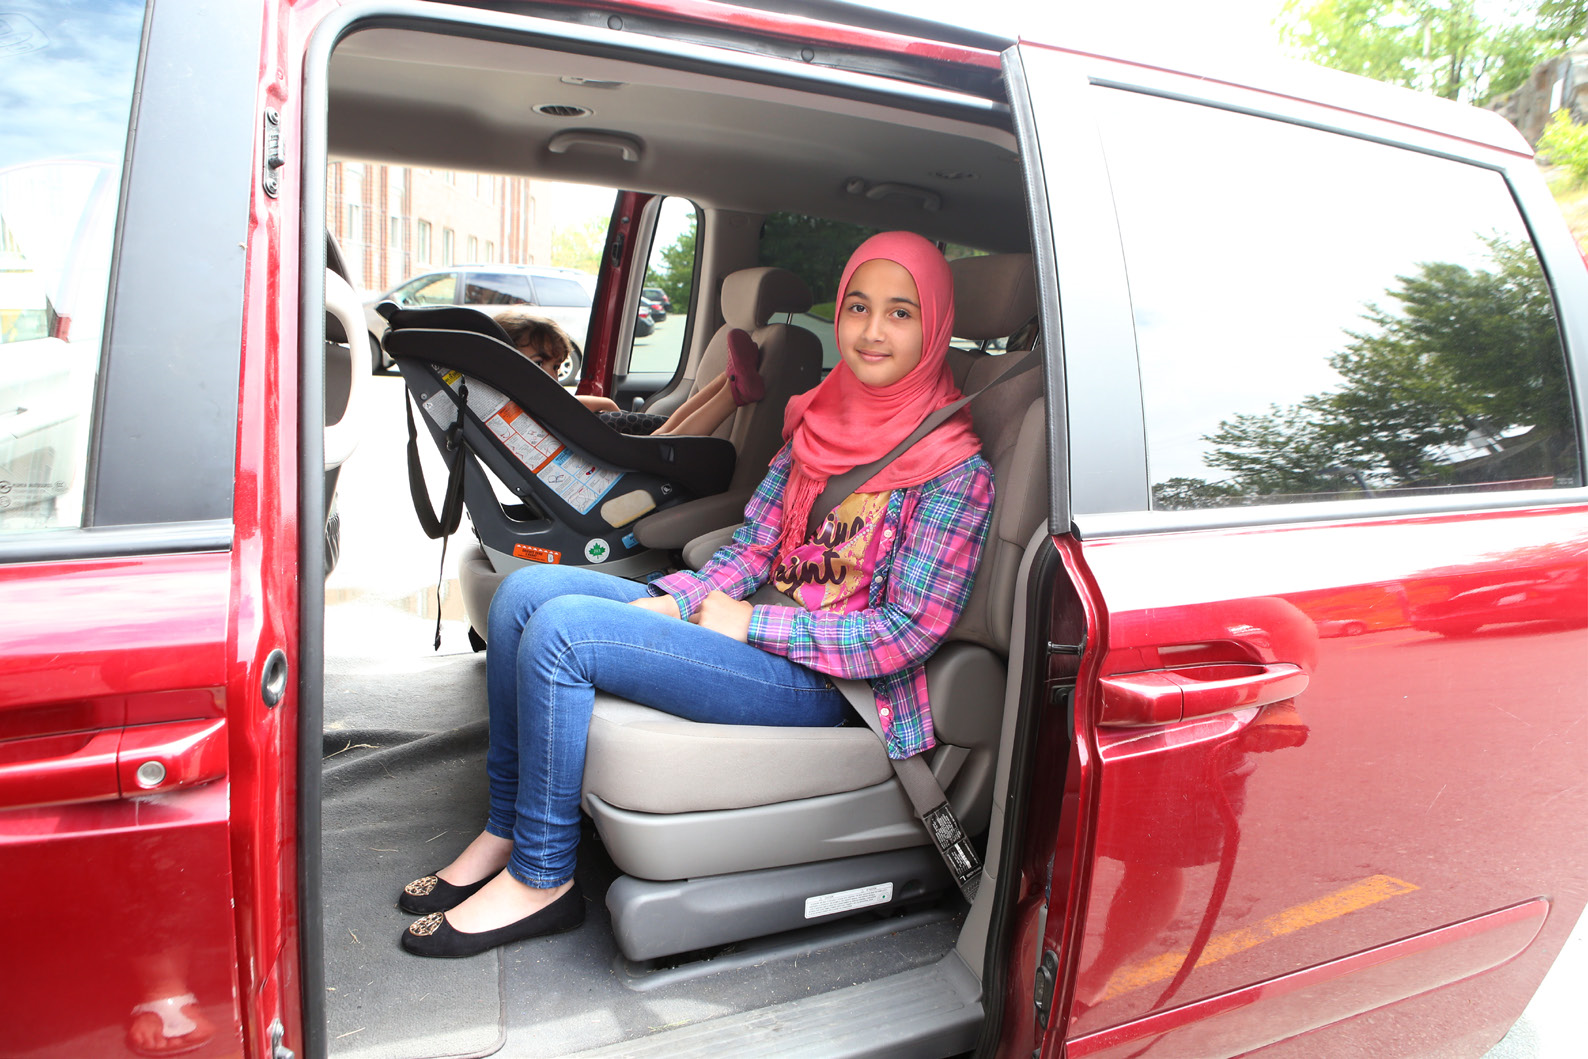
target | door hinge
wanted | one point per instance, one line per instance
(271, 158)
(1066, 648)
(277, 1049)
(1042, 988)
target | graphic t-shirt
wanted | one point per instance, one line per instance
(832, 569)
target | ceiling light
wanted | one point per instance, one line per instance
(589, 82)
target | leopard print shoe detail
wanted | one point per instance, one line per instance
(422, 887)
(431, 893)
(423, 928)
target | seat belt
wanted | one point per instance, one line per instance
(446, 523)
(841, 485)
(924, 789)
(925, 792)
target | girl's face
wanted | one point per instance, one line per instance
(879, 323)
(547, 362)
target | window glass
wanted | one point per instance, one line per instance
(434, 290)
(670, 270)
(557, 290)
(495, 288)
(67, 69)
(816, 251)
(1321, 317)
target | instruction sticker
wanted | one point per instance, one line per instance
(580, 483)
(848, 900)
(536, 555)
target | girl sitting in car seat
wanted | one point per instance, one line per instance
(878, 584)
(548, 345)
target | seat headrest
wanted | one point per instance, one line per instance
(994, 295)
(750, 296)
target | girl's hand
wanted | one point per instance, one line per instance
(666, 606)
(720, 612)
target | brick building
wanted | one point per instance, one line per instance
(395, 221)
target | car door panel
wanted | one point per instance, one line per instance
(1324, 768)
(114, 803)
(1394, 810)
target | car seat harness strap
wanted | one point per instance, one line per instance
(451, 516)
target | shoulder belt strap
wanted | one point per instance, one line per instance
(841, 485)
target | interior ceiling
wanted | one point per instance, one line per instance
(450, 102)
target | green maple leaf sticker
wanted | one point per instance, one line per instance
(598, 550)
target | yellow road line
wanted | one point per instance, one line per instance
(1357, 896)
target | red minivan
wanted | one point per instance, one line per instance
(1267, 714)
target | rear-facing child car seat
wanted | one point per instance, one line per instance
(791, 359)
(726, 832)
(582, 483)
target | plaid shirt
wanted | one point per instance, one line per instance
(920, 585)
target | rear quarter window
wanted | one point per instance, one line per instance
(1322, 317)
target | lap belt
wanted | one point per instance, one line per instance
(921, 785)
(925, 791)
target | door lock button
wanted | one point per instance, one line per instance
(150, 774)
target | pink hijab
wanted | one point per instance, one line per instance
(844, 423)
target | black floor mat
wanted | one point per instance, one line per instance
(399, 803)
(405, 791)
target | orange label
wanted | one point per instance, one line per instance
(536, 555)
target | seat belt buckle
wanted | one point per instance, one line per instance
(954, 845)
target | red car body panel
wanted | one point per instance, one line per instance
(1359, 815)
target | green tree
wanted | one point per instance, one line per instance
(814, 249)
(676, 275)
(579, 245)
(1564, 21)
(1439, 46)
(1463, 359)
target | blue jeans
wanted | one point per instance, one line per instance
(555, 635)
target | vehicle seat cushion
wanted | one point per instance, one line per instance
(649, 761)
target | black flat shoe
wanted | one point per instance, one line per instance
(434, 936)
(434, 894)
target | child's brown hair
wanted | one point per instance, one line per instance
(544, 336)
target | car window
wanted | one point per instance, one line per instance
(1335, 318)
(496, 288)
(66, 84)
(558, 290)
(439, 290)
(670, 268)
(815, 250)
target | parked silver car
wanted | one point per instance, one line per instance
(560, 294)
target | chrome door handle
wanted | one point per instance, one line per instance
(1164, 696)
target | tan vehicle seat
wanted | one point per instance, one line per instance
(791, 360)
(791, 363)
(726, 831)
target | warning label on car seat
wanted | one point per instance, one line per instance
(580, 483)
(848, 900)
